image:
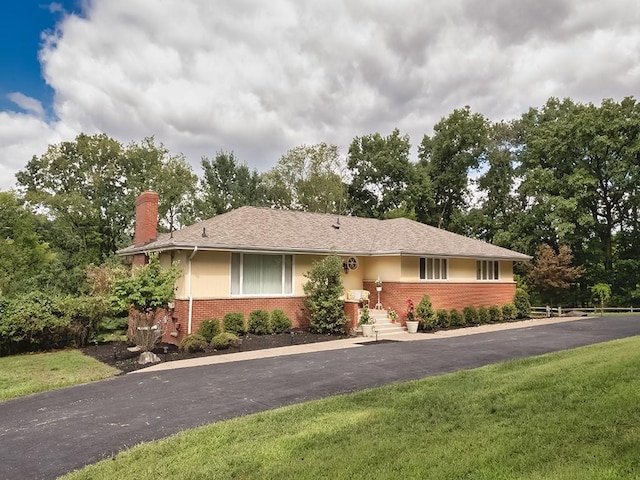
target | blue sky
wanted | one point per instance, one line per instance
(261, 77)
(21, 25)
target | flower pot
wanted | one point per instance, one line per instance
(367, 330)
(379, 289)
(412, 327)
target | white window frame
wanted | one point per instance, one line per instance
(240, 278)
(487, 270)
(430, 264)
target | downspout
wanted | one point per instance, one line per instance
(195, 249)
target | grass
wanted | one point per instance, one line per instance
(31, 373)
(573, 414)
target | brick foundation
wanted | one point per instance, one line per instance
(443, 295)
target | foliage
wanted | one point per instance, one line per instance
(365, 317)
(522, 303)
(209, 328)
(380, 174)
(552, 272)
(483, 315)
(224, 340)
(456, 319)
(392, 315)
(193, 343)
(280, 323)
(234, 323)
(39, 321)
(259, 322)
(442, 318)
(425, 313)
(323, 291)
(226, 184)
(146, 292)
(601, 293)
(470, 315)
(308, 178)
(495, 314)
(509, 312)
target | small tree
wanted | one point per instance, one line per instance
(145, 292)
(425, 313)
(601, 292)
(323, 291)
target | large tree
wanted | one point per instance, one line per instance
(308, 178)
(381, 175)
(458, 145)
(226, 184)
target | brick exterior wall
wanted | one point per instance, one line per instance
(203, 309)
(443, 295)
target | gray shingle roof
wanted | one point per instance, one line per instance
(265, 229)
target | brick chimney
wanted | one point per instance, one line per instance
(146, 217)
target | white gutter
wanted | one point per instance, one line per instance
(195, 249)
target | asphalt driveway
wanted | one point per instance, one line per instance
(50, 434)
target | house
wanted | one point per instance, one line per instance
(256, 258)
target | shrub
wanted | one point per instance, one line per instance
(224, 340)
(259, 322)
(209, 328)
(234, 323)
(323, 291)
(193, 343)
(470, 315)
(456, 319)
(424, 312)
(483, 315)
(495, 314)
(280, 323)
(442, 318)
(509, 312)
(522, 303)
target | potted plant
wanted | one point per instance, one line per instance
(366, 322)
(378, 284)
(392, 315)
(412, 321)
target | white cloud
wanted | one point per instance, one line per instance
(29, 104)
(262, 77)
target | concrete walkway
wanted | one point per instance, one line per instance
(350, 343)
(49, 434)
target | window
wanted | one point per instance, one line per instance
(488, 270)
(258, 274)
(434, 268)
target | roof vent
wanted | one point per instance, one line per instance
(204, 232)
(337, 224)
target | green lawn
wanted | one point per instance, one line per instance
(574, 414)
(31, 373)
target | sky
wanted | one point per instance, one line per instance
(261, 77)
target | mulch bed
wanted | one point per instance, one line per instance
(117, 355)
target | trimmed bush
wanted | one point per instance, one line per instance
(209, 328)
(425, 313)
(280, 323)
(193, 343)
(442, 318)
(470, 315)
(234, 323)
(224, 340)
(483, 315)
(522, 303)
(509, 312)
(456, 319)
(495, 314)
(259, 322)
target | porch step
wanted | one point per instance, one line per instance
(382, 326)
